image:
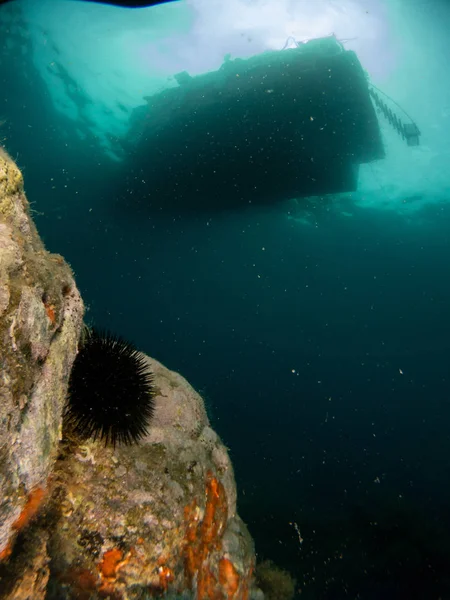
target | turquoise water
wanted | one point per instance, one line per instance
(317, 331)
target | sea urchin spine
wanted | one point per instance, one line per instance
(111, 393)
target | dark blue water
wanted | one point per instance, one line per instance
(322, 352)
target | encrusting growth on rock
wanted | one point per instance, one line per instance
(121, 520)
(219, 580)
(41, 315)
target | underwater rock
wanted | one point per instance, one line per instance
(79, 519)
(40, 321)
(152, 518)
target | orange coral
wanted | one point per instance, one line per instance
(214, 581)
(110, 562)
(50, 310)
(30, 509)
(6, 552)
(214, 577)
(216, 510)
(84, 583)
(203, 537)
(228, 577)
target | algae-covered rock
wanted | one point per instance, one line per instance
(158, 517)
(124, 523)
(40, 320)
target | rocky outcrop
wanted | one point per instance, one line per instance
(40, 320)
(130, 522)
(155, 517)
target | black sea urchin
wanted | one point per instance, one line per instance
(111, 393)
